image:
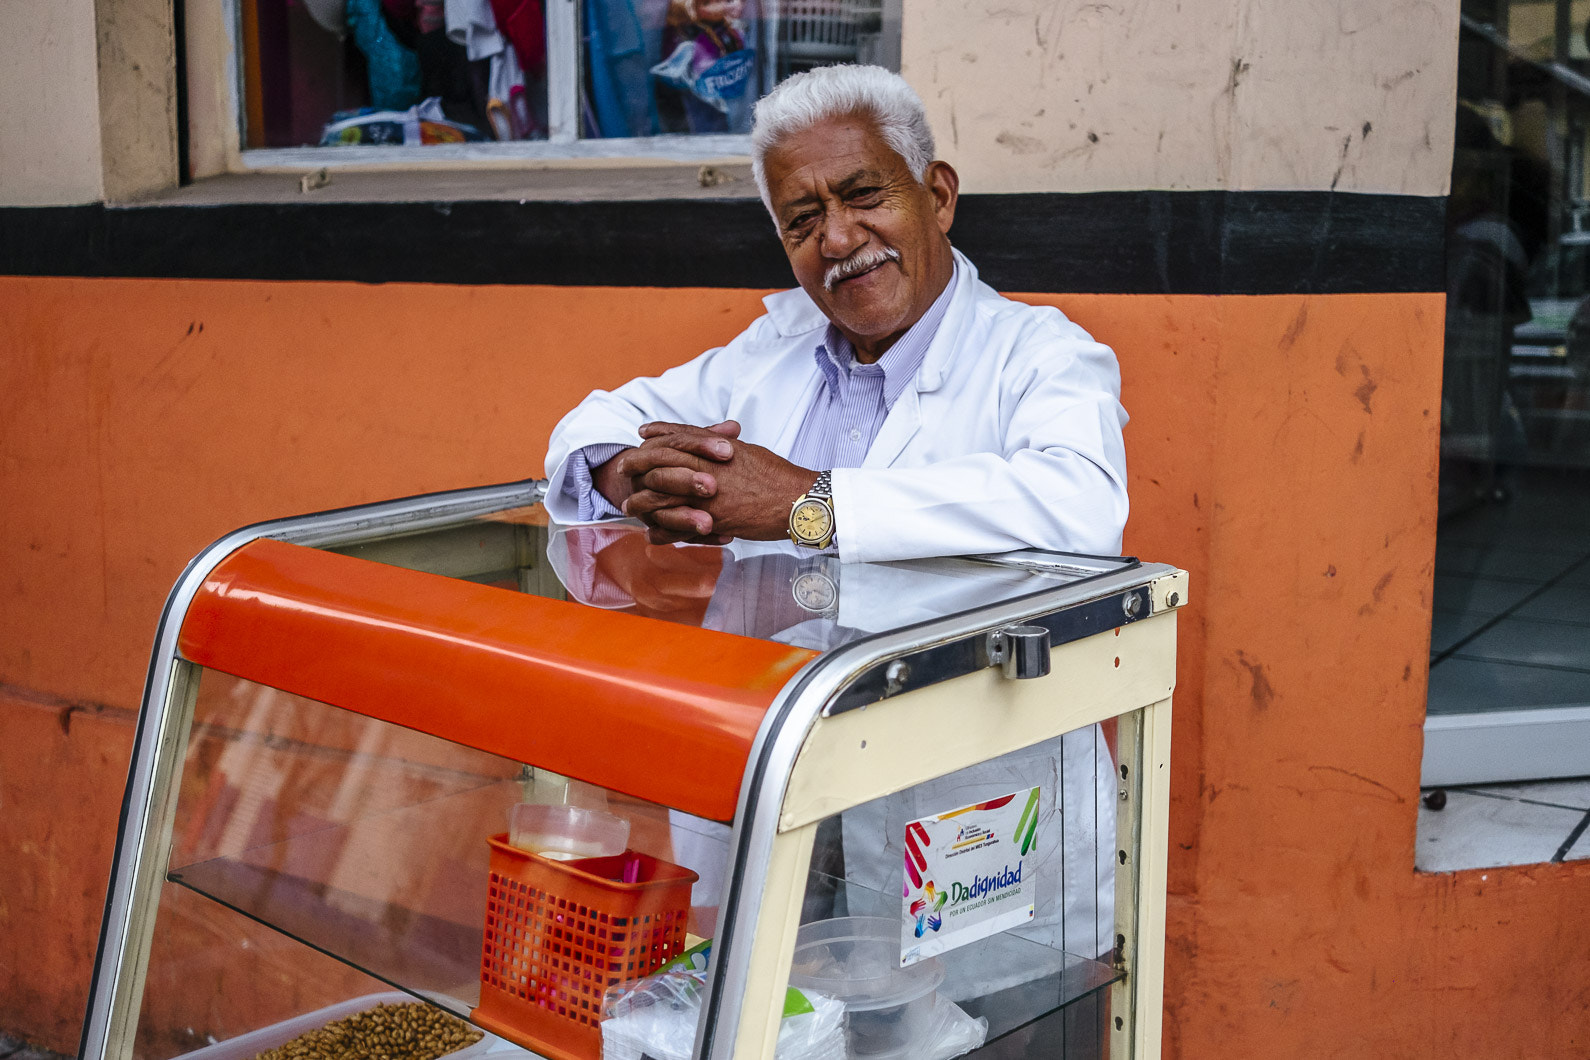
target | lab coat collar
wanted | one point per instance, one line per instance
(793, 313)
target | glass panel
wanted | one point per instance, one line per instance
(385, 72)
(776, 591)
(417, 72)
(698, 66)
(1509, 633)
(368, 842)
(215, 975)
(1040, 983)
(765, 589)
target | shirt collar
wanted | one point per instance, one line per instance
(899, 362)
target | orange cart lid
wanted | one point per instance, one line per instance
(660, 711)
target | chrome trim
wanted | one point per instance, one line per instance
(810, 693)
(134, 841)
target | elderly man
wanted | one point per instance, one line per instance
(892, 407)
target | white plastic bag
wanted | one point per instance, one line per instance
(954, 1032)
(656, 1016)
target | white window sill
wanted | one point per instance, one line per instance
(656, 179)
(647, 151)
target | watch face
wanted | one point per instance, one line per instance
(814, 591)
(811, 521)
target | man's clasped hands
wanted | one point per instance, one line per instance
(703, 484)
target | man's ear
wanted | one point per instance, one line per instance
(944, 184)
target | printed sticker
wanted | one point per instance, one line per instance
(968, 874)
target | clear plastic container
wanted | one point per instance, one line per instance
(888, 1009)
(566, 832)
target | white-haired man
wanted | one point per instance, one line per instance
(893, 406)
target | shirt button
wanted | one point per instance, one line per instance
(855, 435)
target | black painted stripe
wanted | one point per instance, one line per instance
(1139, 242)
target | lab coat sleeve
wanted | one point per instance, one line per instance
(1058, 482)
(696, 392)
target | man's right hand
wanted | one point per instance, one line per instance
(675, 475)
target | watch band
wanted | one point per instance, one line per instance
(823, 487)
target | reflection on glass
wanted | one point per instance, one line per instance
(698, 66)
(1515, 401)
(1518, 263)
(215, 974)
(672, 66)
(367, 841)
(774, 590)
(764, 589)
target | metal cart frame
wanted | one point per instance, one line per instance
(830, 740)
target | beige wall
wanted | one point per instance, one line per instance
(1025, 95)
(137, 96)
(1081, 95)
(49, 103)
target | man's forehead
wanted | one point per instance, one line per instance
(815, 158)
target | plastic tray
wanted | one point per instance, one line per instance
(247, 1046)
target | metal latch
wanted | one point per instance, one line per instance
(1020, 652)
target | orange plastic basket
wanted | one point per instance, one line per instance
(559, 933)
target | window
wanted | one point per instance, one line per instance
(1508, 718)
(531, 78)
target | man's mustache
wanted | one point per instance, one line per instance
(859, 262)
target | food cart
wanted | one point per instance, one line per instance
(966, 756)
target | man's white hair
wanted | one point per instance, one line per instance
(804, 99)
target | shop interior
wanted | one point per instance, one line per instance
(425, 72)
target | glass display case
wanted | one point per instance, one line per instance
(600, 797)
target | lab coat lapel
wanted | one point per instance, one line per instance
(899, 427)
(905, 419)
(787, 402)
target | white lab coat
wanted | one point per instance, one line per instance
(1009, 437)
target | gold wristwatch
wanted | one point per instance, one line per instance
(811, 517)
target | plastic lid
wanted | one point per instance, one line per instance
(857, 960)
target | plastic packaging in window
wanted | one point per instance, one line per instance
(716, 83)
(423, 123)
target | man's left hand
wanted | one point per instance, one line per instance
(751, 491)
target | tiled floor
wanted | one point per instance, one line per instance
(1511, 630)
(1505, 824)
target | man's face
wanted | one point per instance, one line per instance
(865, 238)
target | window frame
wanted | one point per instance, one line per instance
(217, 139)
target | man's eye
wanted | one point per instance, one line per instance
(800, 221)
(865, 196)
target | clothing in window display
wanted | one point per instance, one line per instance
(646, 67)
(524, 23)
(393, 69)
(622, 46)
(510, 106)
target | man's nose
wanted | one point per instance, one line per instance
(842, 234)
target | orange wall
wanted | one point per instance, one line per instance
(1283, 449)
